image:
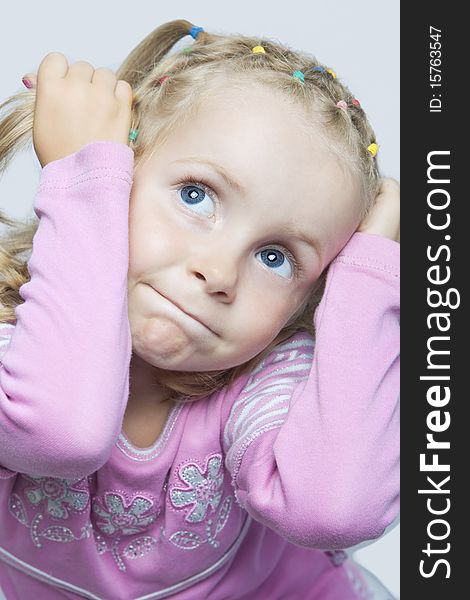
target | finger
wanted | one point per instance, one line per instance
(81, 70)
(53, 65)
(105, 77)
(124, 92)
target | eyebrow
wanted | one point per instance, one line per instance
(222, 172)
(235, 185)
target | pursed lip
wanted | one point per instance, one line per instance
(183, 310)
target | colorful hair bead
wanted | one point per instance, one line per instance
(332, 73)
(133, 135)
(373, 149)
(299, 75)
(162, 79)
(194, 31)
(319, 69)
(258, 50)
(342, 104)
(355, 102)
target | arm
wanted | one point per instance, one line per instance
(64, 375)
(312, 442)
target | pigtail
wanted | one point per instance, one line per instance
(151, 50)
(16, 124)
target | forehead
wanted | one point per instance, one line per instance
(272, 148)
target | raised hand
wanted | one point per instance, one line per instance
(75, 105)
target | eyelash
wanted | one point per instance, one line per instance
(207, 187)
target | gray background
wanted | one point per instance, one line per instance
(359, 40)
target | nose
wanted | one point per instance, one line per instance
(218, 272)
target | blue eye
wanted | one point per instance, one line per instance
(197, 198)
(272, 257)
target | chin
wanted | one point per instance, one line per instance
(190, 365)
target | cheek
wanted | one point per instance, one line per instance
(263, 315)
(153, 241)
(254, 334)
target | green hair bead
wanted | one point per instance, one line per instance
(133, 135)
(299, 75)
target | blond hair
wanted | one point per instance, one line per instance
(159, 104)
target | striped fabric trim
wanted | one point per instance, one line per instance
(264, 401)
(6, 331)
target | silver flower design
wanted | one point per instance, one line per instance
(58, 495)
(117, 518)
(203, 488)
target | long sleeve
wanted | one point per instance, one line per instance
(64, 376)
(312, 438)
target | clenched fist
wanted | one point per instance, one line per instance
(75, 105)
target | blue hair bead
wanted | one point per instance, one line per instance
(299, 75)
(321, 69)
(194, 31)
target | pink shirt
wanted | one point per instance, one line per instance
(244, 491)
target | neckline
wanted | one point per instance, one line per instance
(156, 449)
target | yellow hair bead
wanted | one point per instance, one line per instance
(373, 149)
(258, 50)
(332, 73)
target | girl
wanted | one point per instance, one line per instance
(199, 381)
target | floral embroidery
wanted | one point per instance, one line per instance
(58, 495)
(137, 548)
(203, 488)
(188, 540)
(115, 515)
(119, 519)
